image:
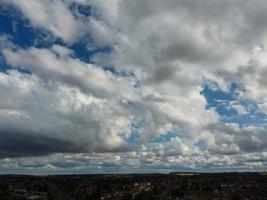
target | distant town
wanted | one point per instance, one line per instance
(173, 186)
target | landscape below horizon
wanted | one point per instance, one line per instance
(174, 186)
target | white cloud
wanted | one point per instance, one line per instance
(33, 108)
(53, 16)
(56, 64)
(171, 48)
(240, 109)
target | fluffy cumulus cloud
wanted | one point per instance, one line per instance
(54, 16)
(133, 85)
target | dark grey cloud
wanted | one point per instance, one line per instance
(21, 145)
(252, 140)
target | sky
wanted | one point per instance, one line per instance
(124, 86)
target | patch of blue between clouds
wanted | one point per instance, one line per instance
(126, 74)
(82, 51)
(123, 73)
(13, 23)
(133, 138)
(222, 102)
(23, 35)
(165, 138)
(79, 10)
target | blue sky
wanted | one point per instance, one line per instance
(93, 87)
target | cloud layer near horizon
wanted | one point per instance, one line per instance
(140, 96)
